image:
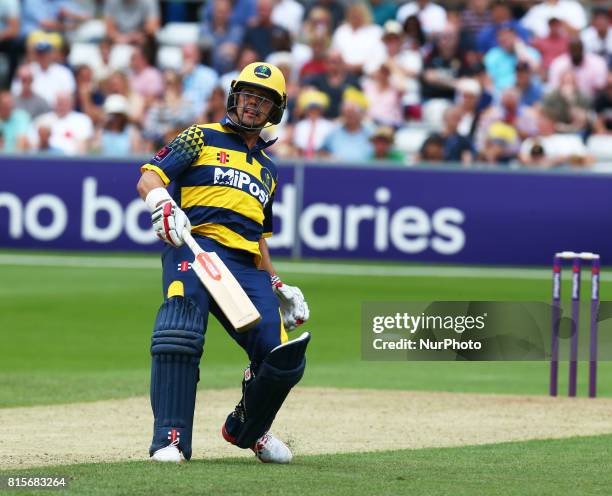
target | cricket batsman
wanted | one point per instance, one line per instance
(224, 184)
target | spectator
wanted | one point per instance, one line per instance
(14, 125)
(597, 38)
(334, 7)
(358, 40)
(569, 12)
(9, 42)
(384, 96)
(383, 11)
(241, 12)
(289, 15)
(501, 61)
(89, 98)
(474, 19)
(131, 21)
(262, 34)
(551, 150)
(502, 17)
(50, 78)
(221, 37)
(478, 72)
(528, 85)
(117, 137)
(317, 65)
(216, 105)
(442, 66)
(318, 24)
(334, 82)
(432, 149)
(198, 79)
(501, 144)
(312, 129)
(350, 140)
(431, 15)
(117, 83)
(591, 70)
(170, 112)
(415, 38)
(383, 140)
(457, 147)
(567, 106)
(144, 79)
(70, 130)
(27, 100)
(553, 45)
(502, 127)
(50, 15)
(405, 65)
(43, 138)
(468, 102)
(603, 109)
(103, 68)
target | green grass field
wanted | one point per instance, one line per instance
(71, 334)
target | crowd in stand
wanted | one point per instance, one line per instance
(522, 83)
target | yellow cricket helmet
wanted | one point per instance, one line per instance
(267, 77)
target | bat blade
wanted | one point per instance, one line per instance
(223, 287)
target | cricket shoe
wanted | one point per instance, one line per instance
(170, 453)
(268, 449)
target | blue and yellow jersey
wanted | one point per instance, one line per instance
(225, 189)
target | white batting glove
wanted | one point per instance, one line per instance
(167, 218)
(293, 306)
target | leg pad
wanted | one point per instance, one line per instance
(265, 390)
(176, 348)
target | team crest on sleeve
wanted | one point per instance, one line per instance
(163, 153)
(266, 178)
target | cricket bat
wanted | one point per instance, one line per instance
(223, 286)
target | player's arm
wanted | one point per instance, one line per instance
(266, 261)
(294, 308)
(147, 182)
(169, 221)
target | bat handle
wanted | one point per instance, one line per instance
(189, 241)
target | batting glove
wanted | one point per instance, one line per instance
(293, 306)
(168, 220)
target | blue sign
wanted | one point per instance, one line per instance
(339, 211)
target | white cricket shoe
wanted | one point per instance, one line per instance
(170, 453)
(270, 449)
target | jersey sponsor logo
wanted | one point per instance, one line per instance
(162, 153)
(242, 181)
(223, 157)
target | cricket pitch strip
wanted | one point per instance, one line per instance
(312, 421)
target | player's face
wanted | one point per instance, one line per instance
(254, 107)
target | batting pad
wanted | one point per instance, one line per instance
(265, 390)
(176, 348)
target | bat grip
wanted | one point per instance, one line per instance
(190, 242)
